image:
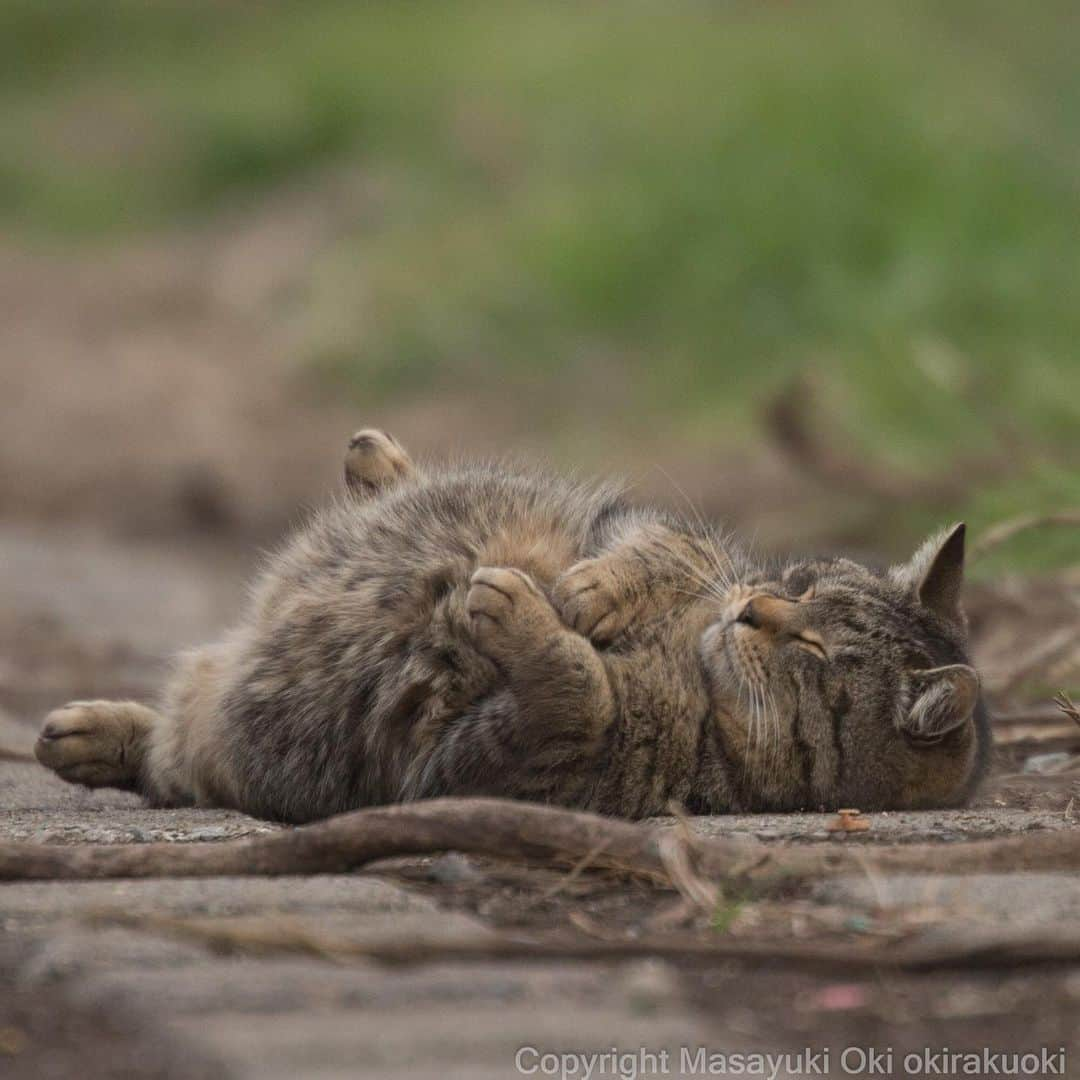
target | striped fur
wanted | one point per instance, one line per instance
(482, 630)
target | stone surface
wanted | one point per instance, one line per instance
(890, 827)
(191, 1011)
(1016, 899)
(85, 615)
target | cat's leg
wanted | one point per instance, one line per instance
(177, 756)
(563, 702)
(375, 462)
(538, 734)
(98, 743)
(641, 565)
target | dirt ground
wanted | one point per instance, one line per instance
(153, 435)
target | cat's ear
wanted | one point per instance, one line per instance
(936, 573)
(942, 699)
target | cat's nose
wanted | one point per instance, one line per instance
(768, 613)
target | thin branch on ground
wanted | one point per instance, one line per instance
(1060, 732)
(584, 863)
(1004, 531)
(1037, 660)
(705, 895)
(1036, 716)
(992, 947)
(1068, 706)
(679, 848)
(521, 832)
(788, 418)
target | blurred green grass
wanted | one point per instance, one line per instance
(691, 201)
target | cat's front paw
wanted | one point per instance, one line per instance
(507, 611)
(590, 598)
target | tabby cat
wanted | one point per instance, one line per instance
(483, 631)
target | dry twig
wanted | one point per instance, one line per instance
(788, 419)
(696, 890)
(1068, 706)
(679, 848)
(584, 863)
(1035, 661)
(518, 832)
(1030, 735)
(1004, 531)
(996, 947)
(1036, 716)
(7, 754)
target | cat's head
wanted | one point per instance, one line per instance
(838, 685)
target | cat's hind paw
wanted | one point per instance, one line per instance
(96, 743)
(374, 462)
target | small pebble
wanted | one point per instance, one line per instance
(1047, 763)
(453, 869)
(650, 984)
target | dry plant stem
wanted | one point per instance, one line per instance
(15, 755)
(560, 886)
(675, 852)
(518, 832)
(1037, 716)
(999, 947)
(678, 849)
(1006, 530)
(1065, 733)
(1035, 661)
(1068, 707)
(788, 419)
(493, 827)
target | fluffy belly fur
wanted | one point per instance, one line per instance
(357, 661)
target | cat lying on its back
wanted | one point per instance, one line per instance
(468, 631)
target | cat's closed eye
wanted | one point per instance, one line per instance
(923, 742)
(810, 642)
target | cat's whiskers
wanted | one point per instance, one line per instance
(721, 564)
(766, 722)
(776, 753)
(766, 750)
(712, 588)
(757, 739)
(752, 735)
(696, 574)
(728, 572)
(703, 594)
(725, 567)
(684, 560)
(763, 754)
(746, 681)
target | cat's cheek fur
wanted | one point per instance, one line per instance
(721, 675)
